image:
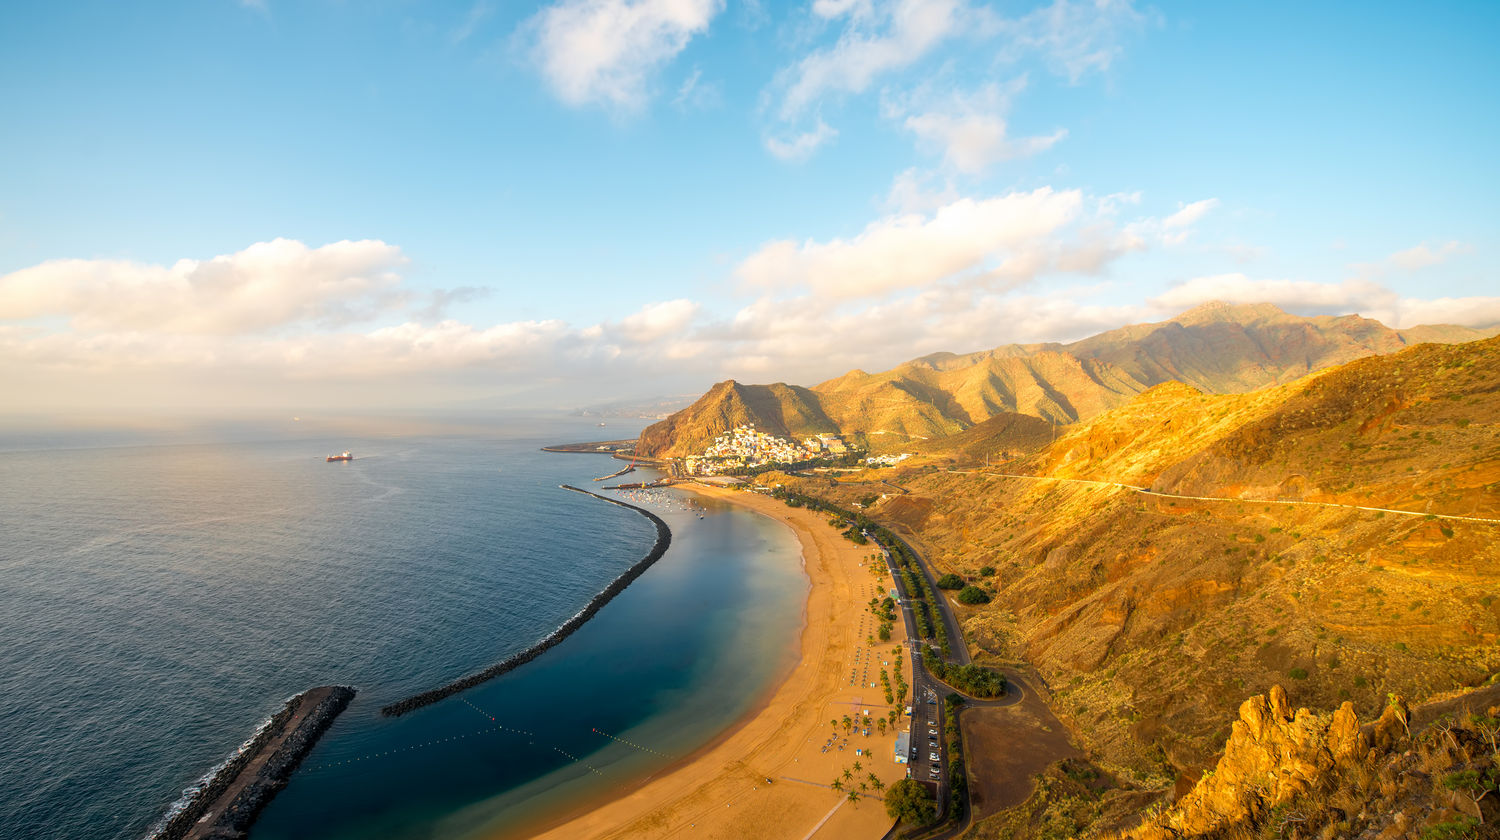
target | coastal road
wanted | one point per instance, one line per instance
(926, 696)
(1146, 491)
(959, 649)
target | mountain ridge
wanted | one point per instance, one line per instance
(1215, 347)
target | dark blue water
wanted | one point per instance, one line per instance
(158, 602)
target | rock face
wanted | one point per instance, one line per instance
(1273, 756)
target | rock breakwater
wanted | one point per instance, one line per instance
(225, 805)
(663, 541)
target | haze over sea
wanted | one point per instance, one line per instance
(158, 602)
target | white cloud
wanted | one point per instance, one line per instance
(1006, 236)
(970, 129)
(892, 36)
(1425, 256)
(1074, 38)
(1355, 295)
(1296, 295)
(830, 9)
(696, 94)
(1189, 214)
(475, 16)
(1172, 230)
(802, 145)
(265, 286)
(911, 192)
(605, 51)
(658, 321)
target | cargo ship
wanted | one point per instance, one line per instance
(342, 456)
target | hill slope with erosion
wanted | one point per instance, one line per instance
(1152, 618)
(1215, 348)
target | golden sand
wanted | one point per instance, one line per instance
(722, 791)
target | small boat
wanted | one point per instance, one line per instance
(342, 456)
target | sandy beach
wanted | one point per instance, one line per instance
(723, 790)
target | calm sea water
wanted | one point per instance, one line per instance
(158, 602)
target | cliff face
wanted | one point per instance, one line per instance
(1216, 349)
(1305, 775)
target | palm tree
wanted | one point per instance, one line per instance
(838, 784)
(848, 775)
(854, 797)
(880, 724)
(857, 767)
(876, 783)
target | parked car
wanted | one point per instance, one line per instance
(933, 756)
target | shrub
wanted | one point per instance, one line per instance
(950, 581)
(986, 571)
(907, 801)
(1298, 673)
(973, 595)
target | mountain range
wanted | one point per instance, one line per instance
(1216, 348)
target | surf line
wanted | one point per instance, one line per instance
(663, 540)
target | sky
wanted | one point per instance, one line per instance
(218, 205)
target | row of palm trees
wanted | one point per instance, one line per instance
(866, 785)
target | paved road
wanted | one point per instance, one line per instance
(1146, 491)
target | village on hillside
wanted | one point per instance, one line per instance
(745, 447)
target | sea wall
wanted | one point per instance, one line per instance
(227, 803)
(663, 540)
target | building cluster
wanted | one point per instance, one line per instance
(887, 460)
(744, 446)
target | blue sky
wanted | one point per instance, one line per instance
(214, 203)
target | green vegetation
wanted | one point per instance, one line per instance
(973, 680)
(950, 581)
(907, 801)
(958, 779)
(973, 595)
(986, 571)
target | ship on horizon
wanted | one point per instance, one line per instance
(346, 455)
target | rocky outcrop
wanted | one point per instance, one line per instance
(1385, 781)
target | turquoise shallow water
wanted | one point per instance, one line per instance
(158, 602)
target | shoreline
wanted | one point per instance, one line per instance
(592, 802)
(779, 733)
(563, 631)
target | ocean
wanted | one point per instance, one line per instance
(158, 602)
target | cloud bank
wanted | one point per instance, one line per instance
(283, 323)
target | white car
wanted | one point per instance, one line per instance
(933, 756)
